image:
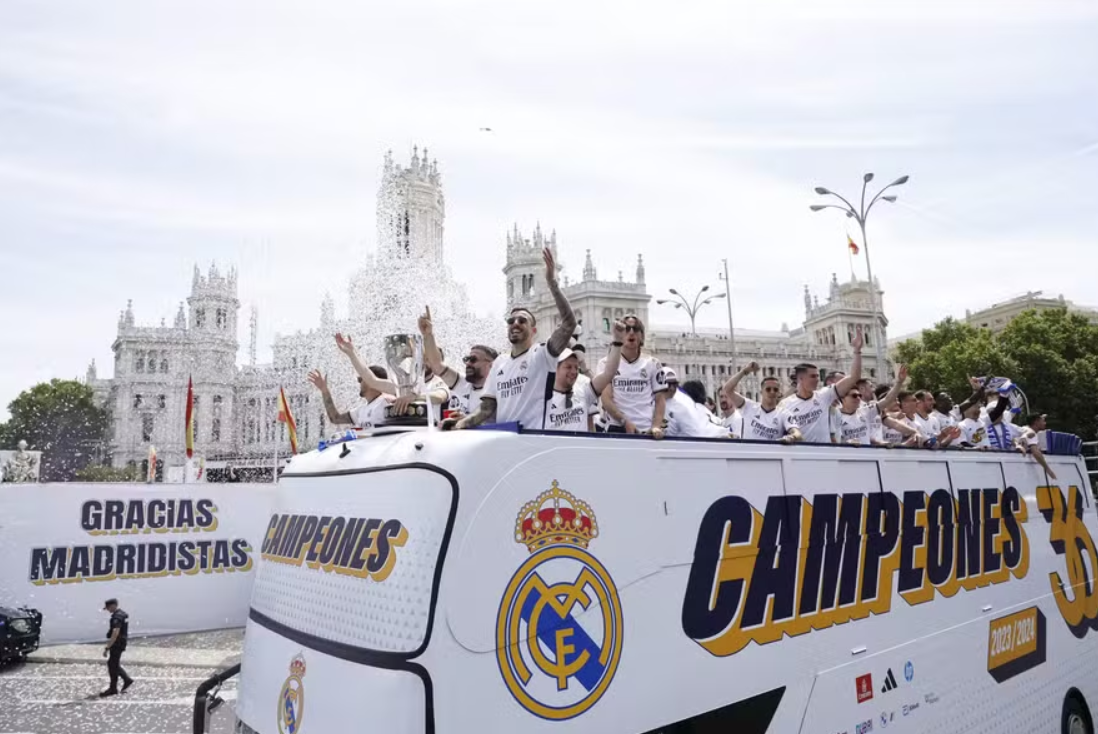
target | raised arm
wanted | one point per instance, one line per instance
(431, 354)
(563, 333)
(320, 383)
(891, 395)
(845, 385)
(902, 428)
(369, 379)
(613, 361)
(729, 388)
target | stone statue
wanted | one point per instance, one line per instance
(22, 465)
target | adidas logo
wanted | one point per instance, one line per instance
(890, 682)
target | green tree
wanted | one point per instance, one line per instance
(1057, 357)
(60, 419)
(1052, 355)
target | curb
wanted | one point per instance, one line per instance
(224, 663)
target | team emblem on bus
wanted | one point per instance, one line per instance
(559, 627)
(291, 699)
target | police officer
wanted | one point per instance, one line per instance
(117, 637)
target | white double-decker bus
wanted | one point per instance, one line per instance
(492, 581)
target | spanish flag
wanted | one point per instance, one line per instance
(189, 430)
(852, 245)
(285, 416)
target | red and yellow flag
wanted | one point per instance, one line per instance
(189, 430)
(852, 245)
(285, 416)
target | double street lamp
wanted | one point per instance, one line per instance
(691, 308)
(859, 215)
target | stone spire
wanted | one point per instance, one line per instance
(640, 269)
(129, 312)
(807, 302)
(91, 373)
(180, 317)
(589, 268)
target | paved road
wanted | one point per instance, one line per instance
(58, 694)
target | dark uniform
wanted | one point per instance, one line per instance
(119, 621)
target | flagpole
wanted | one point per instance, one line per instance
(850, 257)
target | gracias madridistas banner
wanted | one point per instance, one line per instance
(178, 557)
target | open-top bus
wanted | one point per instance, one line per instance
(498, 581)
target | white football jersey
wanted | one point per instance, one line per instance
(734, 422)
(464, 397)
(635, 388)
(761, 425)
(687, 419)
(974, 433)
(944, 421)
(928, 426)
(812, 417)
(857, 427)
(521, 386)
(569, 411)
(367, 415)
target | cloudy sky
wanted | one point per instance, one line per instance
(138, 138)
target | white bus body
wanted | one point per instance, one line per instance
(490, 581)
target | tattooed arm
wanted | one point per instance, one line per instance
(563, 333)
(484, 414)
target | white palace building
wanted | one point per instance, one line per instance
(236, 406)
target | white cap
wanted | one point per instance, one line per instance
(669, 375)
(566, 354)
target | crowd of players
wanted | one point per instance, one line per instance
(548, 386)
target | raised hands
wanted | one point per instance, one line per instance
(345, 345)
(550, 265)
(426, 327)
(619, 330)
(859, 341)
(901, 375)
(318, 380)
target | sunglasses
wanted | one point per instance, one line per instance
(471, 359)
(855, 395)
(772, 389)
(521, 320)
(634, 328)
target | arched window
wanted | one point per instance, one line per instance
(139, 362)
(164, 365)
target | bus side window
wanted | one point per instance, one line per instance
(749, 716)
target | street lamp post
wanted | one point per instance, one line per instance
(731, 331)
(859, 215)
(691, 308)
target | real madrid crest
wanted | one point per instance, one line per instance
(291, 699)
(559, 626)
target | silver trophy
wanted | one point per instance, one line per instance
(404, 358)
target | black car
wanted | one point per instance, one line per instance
(19, 633)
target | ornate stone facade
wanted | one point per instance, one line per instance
(236, 406)
(823, 339)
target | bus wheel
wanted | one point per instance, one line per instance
(1075, 718)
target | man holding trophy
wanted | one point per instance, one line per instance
(521, 382)
(404, 355)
